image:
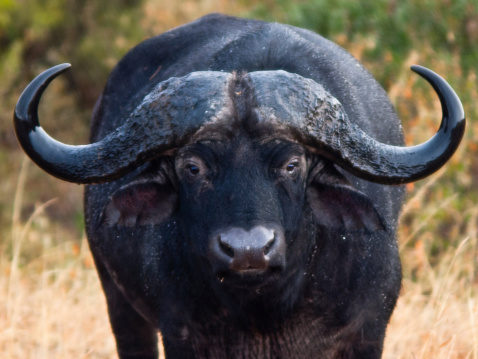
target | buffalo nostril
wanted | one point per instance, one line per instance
(226, 248)
(269, 245)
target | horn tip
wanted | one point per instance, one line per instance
(58, 69)
(422, 70)
(27, 105)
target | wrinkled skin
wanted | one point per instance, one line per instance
(150, 232)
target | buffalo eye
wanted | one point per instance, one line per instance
(191, 167)
(193, 170)
(293, 166)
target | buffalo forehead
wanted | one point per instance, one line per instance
(288, 98)
(197, 98)
(280, 100)
(203, 101)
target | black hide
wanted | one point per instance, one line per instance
(330, 275)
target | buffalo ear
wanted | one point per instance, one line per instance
(339, 205)
(140, 203)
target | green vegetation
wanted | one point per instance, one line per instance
(92, 35)
(35, 35)
(395, 27)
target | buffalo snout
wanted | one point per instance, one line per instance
(247, 252)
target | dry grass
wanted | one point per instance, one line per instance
(437, 312)
(54, 308)
(437, 316)
(52, 305)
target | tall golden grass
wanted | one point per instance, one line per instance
(51, 305)
(437, 312)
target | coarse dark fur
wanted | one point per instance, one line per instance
(149, 230)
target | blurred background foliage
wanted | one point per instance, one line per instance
(387, 36)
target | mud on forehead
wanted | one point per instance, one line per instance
(192, 100)
(289, 98)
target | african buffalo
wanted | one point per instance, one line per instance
(243, 192)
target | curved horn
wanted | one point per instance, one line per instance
(175, 109)
(325, 126)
